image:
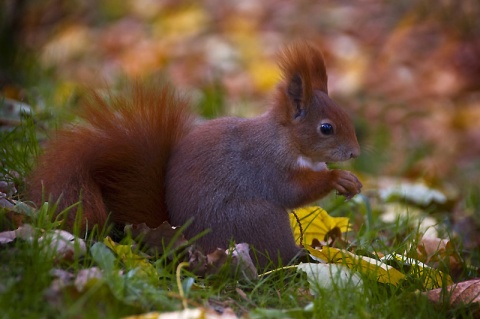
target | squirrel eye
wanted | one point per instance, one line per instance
(326, 129)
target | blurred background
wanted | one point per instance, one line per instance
(407, 71)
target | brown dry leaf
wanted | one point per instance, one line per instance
(222, 306)
(202, 265)
(435, 250)
(61, 244)
(242, 261)
(157, 239)
(466, 292)
(215, 260)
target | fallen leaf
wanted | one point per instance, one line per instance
(59, 243)
(103, 257)
(7, 237)
(436, 250)
(25, 232)
(132, 260)
(369, 267)
(242, 262)
(197, 313)
(63, 244)
(432, 278)
(62, 278)
(417, 193)
(330, 276)
(198, 264)
(89, 285)
(58, 288)
(157, 240)
(222, 306)
(316, 224)
(466, 292)
(217, 258)
(85, 276)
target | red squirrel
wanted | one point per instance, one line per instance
(142, 158)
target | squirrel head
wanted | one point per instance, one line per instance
(320, 129)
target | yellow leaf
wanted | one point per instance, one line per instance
(316, 224)
(369, 267)
(132, 260)
(432, 278)
(64, 92)
(184, 22)
(265, 74)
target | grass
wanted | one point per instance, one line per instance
(30, 288)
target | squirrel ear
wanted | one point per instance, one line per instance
(295, 94)
(304, 72)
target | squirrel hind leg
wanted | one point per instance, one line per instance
(271, 233)
(261, 224)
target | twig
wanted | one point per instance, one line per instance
(300, 227)
(179, 283)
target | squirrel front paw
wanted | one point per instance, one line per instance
(346, 183)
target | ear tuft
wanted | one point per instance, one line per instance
(303, 60)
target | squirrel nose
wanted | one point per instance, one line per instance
(355, 153)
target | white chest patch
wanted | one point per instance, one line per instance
(305, 162)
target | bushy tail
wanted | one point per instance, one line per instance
(115, 162)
